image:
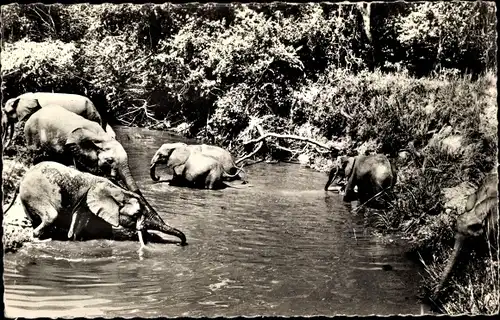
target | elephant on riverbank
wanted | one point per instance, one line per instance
(190, 168)
(23, 106)
(480, 218)
(370, 174)
(54, 195)
(224, 157)
(56, 134)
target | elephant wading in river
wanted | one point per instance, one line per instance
(190, 167)
(54, 195)
(370, 174)
(480, 218)
(56, 134)
(23, 106)
(224, 157)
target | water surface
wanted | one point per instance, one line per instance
(281, 247)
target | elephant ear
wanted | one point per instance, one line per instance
(486, 208)
(471, 201)
(178, 156)
(81, 138)
(26, 107)
(102, 201)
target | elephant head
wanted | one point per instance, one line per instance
(173, 154)
(120, 207)
(341, 170)
(102, 155)
(17, 109)
(480, 218)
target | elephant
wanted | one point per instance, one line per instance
(23, 106)
(479, 218)
(223, 156)
(371, 174)
(190, 168)
(56, 134)
(60, 198)
(5, 123)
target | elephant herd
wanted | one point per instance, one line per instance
(81, 185)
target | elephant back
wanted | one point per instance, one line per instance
(57, 117)
(56, 123)
(223, 156)
(75, 103)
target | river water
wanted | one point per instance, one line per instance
(280, 247)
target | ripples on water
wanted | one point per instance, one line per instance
(281, 247)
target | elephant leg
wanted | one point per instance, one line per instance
(350, 194)
(48, 217)
(176, 180)
(209, 180)
(79, 220)
(214, 179)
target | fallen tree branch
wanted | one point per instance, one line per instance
(261, 143)
(255, 123)
(286, 149)
(288, 136)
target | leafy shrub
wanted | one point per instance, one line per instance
(39, 66)
(433, 31)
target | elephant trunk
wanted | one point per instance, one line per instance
(127, 178)
(459, 240)
(152, 169)
(152, 173)
(153, 221)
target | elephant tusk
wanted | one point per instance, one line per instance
(141, 239)
(72, 226)
(139, 226)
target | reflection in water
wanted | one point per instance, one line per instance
(281, 247)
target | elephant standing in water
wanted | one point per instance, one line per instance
(54, 195)
(480, 218)
(190, 167)
(56, 134)
(370, 174)
(23, 106)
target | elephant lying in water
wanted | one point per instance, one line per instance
(23, 106)
(224, 157)
(480, 218)
(190, 167)
(370, 174)
(59, 196)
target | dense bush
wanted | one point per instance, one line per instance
(174, 62)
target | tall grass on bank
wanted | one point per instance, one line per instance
(474, 288)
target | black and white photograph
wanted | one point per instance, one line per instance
(233, 159)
